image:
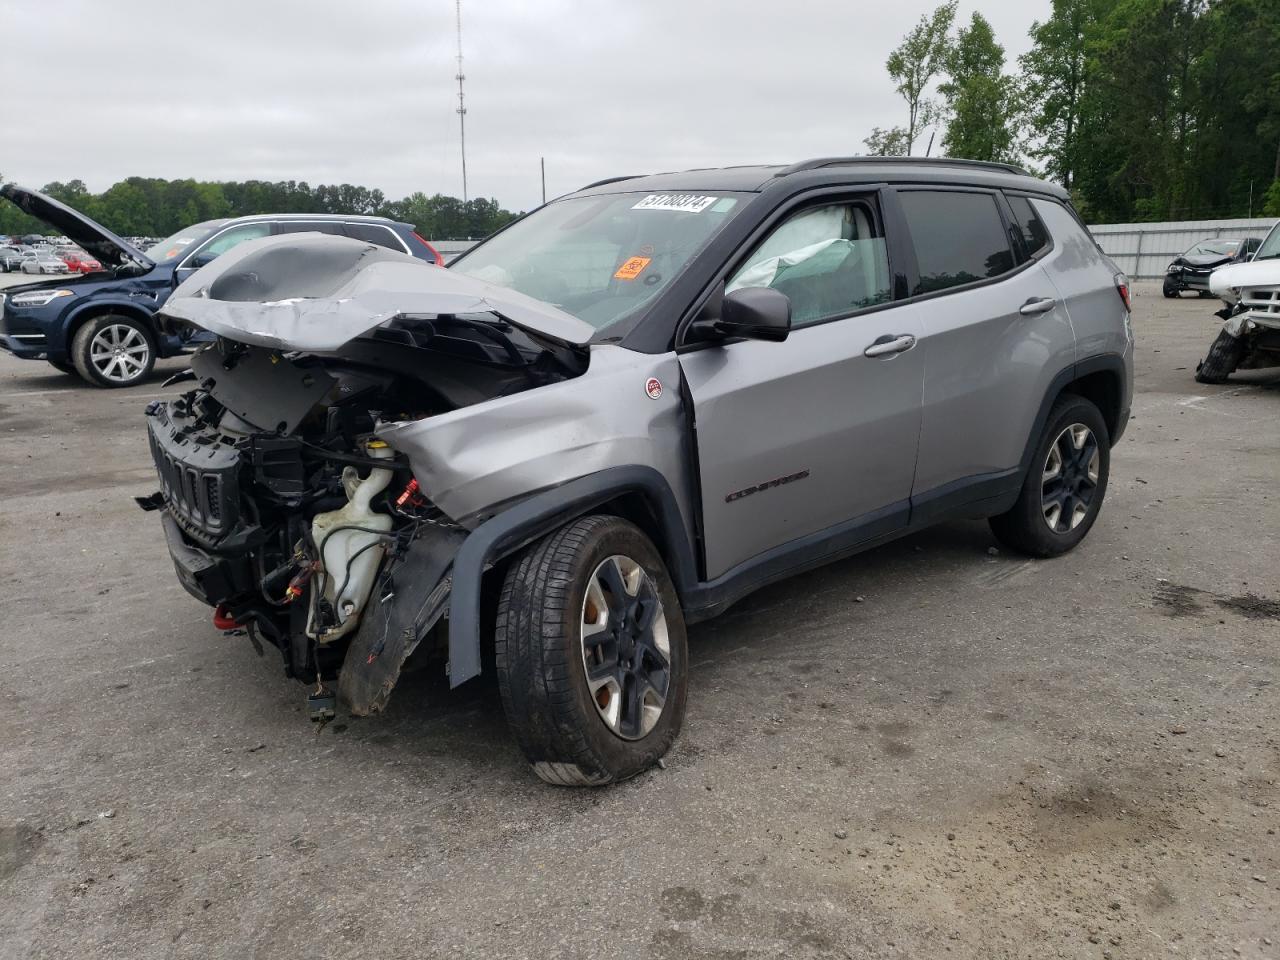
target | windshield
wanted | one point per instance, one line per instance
(1220, 248)
(601, 258)
(1270, 248)
(170, 248)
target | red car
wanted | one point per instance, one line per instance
(78, 262)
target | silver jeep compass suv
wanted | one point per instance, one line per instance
(621, 414)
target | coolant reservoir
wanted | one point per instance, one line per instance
(343, 550)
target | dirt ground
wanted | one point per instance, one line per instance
(929, 750)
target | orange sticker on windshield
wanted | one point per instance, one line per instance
(632, 268)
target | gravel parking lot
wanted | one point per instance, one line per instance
(929, 750)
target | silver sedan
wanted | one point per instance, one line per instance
(43, 263)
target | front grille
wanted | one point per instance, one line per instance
(200, 483)
(1261, 299)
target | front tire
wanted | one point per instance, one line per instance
(1225, 354)
(1065, 486)
(113, 351)
(591, 652)
(1171, 289)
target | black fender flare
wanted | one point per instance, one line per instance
(1104, 362)
(536, 516)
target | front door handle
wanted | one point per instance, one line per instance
(890, 344)
(1037, 305)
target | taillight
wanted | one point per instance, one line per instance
(434, 252)
(1122, 288)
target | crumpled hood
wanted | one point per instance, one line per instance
(1256, 273)
(104, 245)
(1203, 260)
(316, 292)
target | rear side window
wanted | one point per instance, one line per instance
(1029, 225)
(308, 226)
(372, 233)
(959, 238)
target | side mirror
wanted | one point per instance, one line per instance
(202, 259)
(757, 313)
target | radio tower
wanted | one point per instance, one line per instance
(462, 105)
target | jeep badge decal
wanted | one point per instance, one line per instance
(653, 387)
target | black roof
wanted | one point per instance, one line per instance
(833, 170)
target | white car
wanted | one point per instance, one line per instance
(1250, 334)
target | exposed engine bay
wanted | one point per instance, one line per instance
(286, 512)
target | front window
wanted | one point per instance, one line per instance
(830, 261)
(601, 258)
(1270, 248)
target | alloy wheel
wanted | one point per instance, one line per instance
(1069, 480)
(625, 648)
(119, 353)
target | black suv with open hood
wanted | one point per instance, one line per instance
(101, 325)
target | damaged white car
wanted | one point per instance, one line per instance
(1250, 334)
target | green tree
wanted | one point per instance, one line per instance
(981, 101)
(887, 143)
(1054, 75)
(914, 65)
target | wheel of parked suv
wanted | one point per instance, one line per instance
(113, 351)
(1225, 354)
(591, 653)
(1064, 488)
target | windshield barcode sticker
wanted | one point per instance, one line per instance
(684, 202)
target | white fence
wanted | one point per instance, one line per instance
(1143, 250)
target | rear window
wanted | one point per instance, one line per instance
(1034, 235)
(959, 238)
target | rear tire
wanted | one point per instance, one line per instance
(581, 725)
(113, 351)
(1063, 490)
(1225, 354)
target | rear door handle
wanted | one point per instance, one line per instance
(890, 344)
(1037, 305)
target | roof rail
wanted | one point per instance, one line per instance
(820, 162)
(601, 183)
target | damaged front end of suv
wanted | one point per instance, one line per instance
(356, 420)
(1250, 334)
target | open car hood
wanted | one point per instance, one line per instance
(105, 246)
(1204, 259)
(315, 292)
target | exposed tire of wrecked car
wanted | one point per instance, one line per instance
(1225, 354)
(1171, 289)
(1023, 527)
(539, 653)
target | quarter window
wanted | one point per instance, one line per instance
(959, 238)
(1032, 229)
(830, 261)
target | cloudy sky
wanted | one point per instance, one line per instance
(364, 92)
